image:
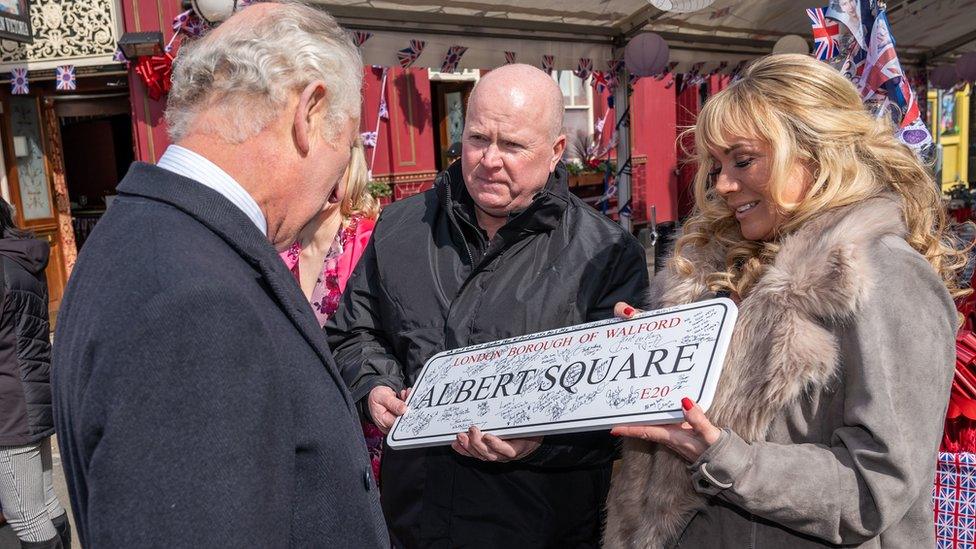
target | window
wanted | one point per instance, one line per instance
(578, 100)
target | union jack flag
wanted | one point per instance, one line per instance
(360, 37)
(182, 19)
(452, 58)
(408, 56)
(19, 85)
(955, 501)
(584, 69)
(369, 139)
(883, 74)
(547, 63)
(64, 76)
(509, 57)
(667, 70)
(825, 34)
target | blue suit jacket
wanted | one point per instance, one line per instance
(196, 400)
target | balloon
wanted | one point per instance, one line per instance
(646, 54)
(681, 6)
(966, 67)
(943, 77)
(791, 43)
(214, 11)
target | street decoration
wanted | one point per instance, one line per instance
(409, 55)
(452, 58)
(19, 83)
(547, 63)
(825, 33)
(584, 68)
(64, 78)
(646, 54)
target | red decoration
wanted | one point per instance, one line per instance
(155, 72)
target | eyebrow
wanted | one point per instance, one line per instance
(734, 147)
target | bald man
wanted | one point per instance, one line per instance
(498, 248)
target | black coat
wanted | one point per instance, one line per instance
(196, 400)
(25, 343)
(430, 281)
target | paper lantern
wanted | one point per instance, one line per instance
(943, 77)
(681, 6)
(791, 43)
(966, 67)
(214, 11)
(646, 55)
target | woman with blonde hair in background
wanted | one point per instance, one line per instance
(327, 250)
(831, 237)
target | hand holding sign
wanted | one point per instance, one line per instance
(385, 406)
(688, 439)
(474, 444)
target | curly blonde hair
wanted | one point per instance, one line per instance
(357, 199)
(809, 115)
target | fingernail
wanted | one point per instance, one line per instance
(628, 311)
(687, 404)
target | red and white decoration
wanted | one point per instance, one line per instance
(452, 58)
(584, 68)
(64, 77)
(510, 57)
(409, 55)
(547, 62)
(19, 84)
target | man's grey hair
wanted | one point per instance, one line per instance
(245, 77)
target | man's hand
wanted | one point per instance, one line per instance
(474, 444)
(385, 406)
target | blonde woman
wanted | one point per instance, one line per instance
(831, 237)
(329, 247)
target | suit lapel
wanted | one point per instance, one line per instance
(226, 220)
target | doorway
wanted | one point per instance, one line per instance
(450, 101)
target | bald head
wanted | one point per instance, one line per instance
(526, 88)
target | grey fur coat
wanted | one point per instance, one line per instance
(831, 402)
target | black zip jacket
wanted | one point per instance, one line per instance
(25, 343)
(429, 281)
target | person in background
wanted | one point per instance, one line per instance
(26, 424)
(327, 250)
(831, 236)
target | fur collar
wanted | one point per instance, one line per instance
(781, 349)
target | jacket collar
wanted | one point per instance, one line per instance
(543, 214)
(228, 222)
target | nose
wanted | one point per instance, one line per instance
(725, 185)
(492, 158)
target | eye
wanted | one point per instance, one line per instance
(512, 145)
(744, 162)
(713, 174)
(477, 138)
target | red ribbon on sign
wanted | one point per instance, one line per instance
(155, 72)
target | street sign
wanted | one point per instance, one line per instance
(581, 378)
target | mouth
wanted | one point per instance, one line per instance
(744, 209)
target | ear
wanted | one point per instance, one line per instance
(558, 147)
(308, 115)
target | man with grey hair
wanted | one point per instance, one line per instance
(197, 403)
(499, 248)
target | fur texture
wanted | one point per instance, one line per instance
(781, 350)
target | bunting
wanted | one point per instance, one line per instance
(360, 37)
(547, 62)
(584, 68)
(509, 57)
(452, 58)
(64, 77)
(409, 55)
(19, 84)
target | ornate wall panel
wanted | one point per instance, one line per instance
(77, 32)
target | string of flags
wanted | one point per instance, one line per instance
(65, 79)
(409, 55)
(452, 58)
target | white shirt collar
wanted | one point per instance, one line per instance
(183, 161)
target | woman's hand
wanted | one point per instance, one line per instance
(475, 444)
(624, 310)
(688, 439)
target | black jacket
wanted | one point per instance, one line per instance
(25, 343)
(430, 281)
(196, 400)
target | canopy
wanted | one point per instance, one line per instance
(929, 32)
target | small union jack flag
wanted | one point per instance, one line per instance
(452, 58)
(408, 56)
(584, 69)
(547, 63)
(369, 139)
(384, 110)
(360, 37)
(509, 57)
(65, 78)
(825, 34)
(19, 85)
